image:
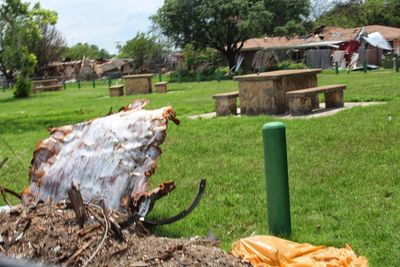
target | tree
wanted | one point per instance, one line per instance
(220, 24)
(80, 50)
(144, 50)
(343, 14)
(383, 12)
(19, 24)
(49, 48)
(354, 13)
(288, 16)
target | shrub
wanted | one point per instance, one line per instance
(22, 87)
(290, 65)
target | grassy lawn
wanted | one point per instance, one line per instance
(344, 170)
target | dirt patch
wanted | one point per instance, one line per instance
(51, 234)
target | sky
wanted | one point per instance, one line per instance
(103, 23)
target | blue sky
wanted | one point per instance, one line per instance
(102, 23)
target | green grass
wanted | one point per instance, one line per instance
(344, 170)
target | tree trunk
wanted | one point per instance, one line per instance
(231, 57)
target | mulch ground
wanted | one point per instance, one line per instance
(50, 234)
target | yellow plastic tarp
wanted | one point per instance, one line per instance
(270, 251)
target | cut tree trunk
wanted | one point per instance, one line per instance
(109, 158)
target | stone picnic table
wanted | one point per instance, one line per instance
(265, 93)
(137, 84)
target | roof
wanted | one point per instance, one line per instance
(328, 36)
(336, 33)
(67, 63)
(270, 42)
(114, 63)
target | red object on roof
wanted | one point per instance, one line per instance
(350, 47)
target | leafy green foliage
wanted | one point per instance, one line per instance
(80, 50)
(195, 58)
(19, 26)
(22, 87)
(219, 24)
(289, 17)
(48, 48)
(382, 12)
(354, 13)
(145, 50)
(343, 14)
(290, 29)
(290, 65)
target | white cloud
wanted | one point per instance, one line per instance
(102, 23)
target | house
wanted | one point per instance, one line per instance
(68, 70)
(115, 67)
(321, 48)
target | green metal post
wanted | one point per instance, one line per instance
(276, 174)
(79, 84)
(159, 77)
(336, 67)
(397, 63)
(198, 76)
(65, 85)
(179, 77)
(218, 75)
(365, 65)
(94, 83)
(109, 82)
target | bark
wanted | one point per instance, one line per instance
(109, 158)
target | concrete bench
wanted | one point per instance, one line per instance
(161, 87)
(116, 90)
(300, 101)
(225, 103)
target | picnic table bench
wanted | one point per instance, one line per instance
(161, 87)
(225, 103)
(265, 92)
(300, 101)
(116, 90)
(40, 86)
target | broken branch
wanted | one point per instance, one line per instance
(104, 237)
(75, 197)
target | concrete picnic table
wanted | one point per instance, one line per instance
(137, 84)
(265, 93)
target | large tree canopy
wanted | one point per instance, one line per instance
(80, 50)
(19, 26)
(220, 24)
(48, 48)
(353, 13)
(145, 50)
(288, 16)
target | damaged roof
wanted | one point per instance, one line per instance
(114, 64)
(326, 37)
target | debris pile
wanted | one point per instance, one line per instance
(51, 233)
(88, 198)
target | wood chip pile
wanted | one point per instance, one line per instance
(51, 234)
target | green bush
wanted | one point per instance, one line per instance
(191, 76)
(22, 87)
(290, 65)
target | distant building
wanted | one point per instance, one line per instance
(66, 70)
(115, 67)
(322, 47)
